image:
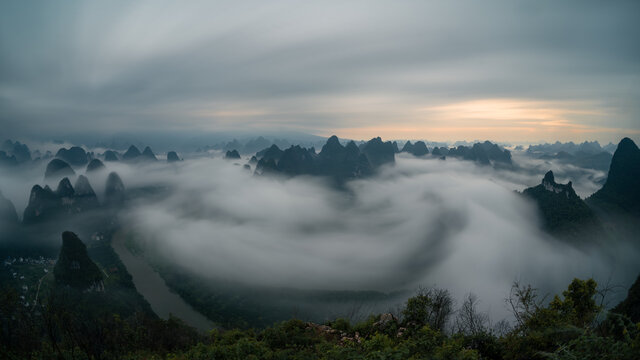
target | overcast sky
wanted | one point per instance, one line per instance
(501, 70)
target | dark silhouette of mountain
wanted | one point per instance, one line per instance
(597, 161)
(586, 147)
(75, 156)
(482, 153)
(8, 214)
(266, 166)
(44, 205)
(85, 197)
(7, 159)
(342, 162)
(57, 168)
(74, 268)
(110, 155)
(131, 154)
(147, 154)
(334, 160)
(621, 190)
(95, 165)
(271, 153)
(378, 152)
(172, 156)
(563, 212)
(20, 152)
(114, 193)
(440, 151)
(297, 161)
(630, 306)
(417, 149)
(65, 189)
(232, 154)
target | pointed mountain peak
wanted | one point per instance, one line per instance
(95, 165)
(172, 156)
(74, 266)
(58, 168)
(114, 190)
(548, 177)
(64, 188)
(333, 140)
(332, 145)
(148, 153)
(110, 155)
(352, 147)
(83, 187)
(131, 153)
(621, 188)
(232, 154)
(627, 144)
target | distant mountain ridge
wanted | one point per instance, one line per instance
(334, 160)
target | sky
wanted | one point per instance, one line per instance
(442, 71)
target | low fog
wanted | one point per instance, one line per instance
(421, 222)
(450, 224)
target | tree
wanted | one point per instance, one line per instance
(469, 321)
(431, 307)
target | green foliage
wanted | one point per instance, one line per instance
(74, 324)
(579, 305)
(431, 307)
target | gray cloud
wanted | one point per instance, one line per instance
(112, 66)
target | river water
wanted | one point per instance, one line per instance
(149, 283)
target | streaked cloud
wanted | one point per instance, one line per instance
(511, 70)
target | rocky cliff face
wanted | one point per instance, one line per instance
(74, 268)
(622, 189)
(561, 209)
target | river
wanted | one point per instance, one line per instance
(149, 283)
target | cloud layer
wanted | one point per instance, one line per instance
(421, 222)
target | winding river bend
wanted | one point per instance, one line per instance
(149, 283)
